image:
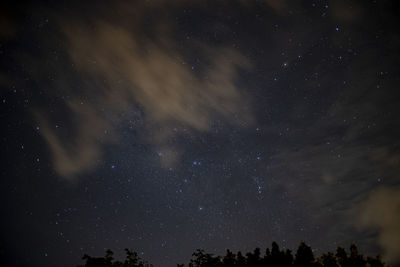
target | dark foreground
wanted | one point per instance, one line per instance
(274, 257)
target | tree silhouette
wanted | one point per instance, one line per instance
(229, 259)
(241, 260)
(341, 256)
(375, 261)
(132, 260)
(273, 257)
(304, 256)
(203, 259)
(276, 257)
(329, 260)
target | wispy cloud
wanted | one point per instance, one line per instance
(121, 67)
(381, 212)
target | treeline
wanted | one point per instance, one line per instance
(274, 257)
(132, 260)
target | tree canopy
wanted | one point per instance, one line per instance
(273, 257)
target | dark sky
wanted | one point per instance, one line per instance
(168, 125)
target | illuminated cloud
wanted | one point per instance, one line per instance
(82, 154)
(381, 212)
(122, 68)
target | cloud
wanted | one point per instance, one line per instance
(346, 11)
(156, 77)
(121, 67)
(82, 153)
(381, 212)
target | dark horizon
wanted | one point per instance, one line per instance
(165, 126)
(272, 256)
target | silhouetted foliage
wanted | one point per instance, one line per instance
(132, 260)
(304, 256)
(203, 259)
(329, 260)
(274, 257)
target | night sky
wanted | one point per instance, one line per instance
(168, 125)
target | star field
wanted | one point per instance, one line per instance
(168, 126)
